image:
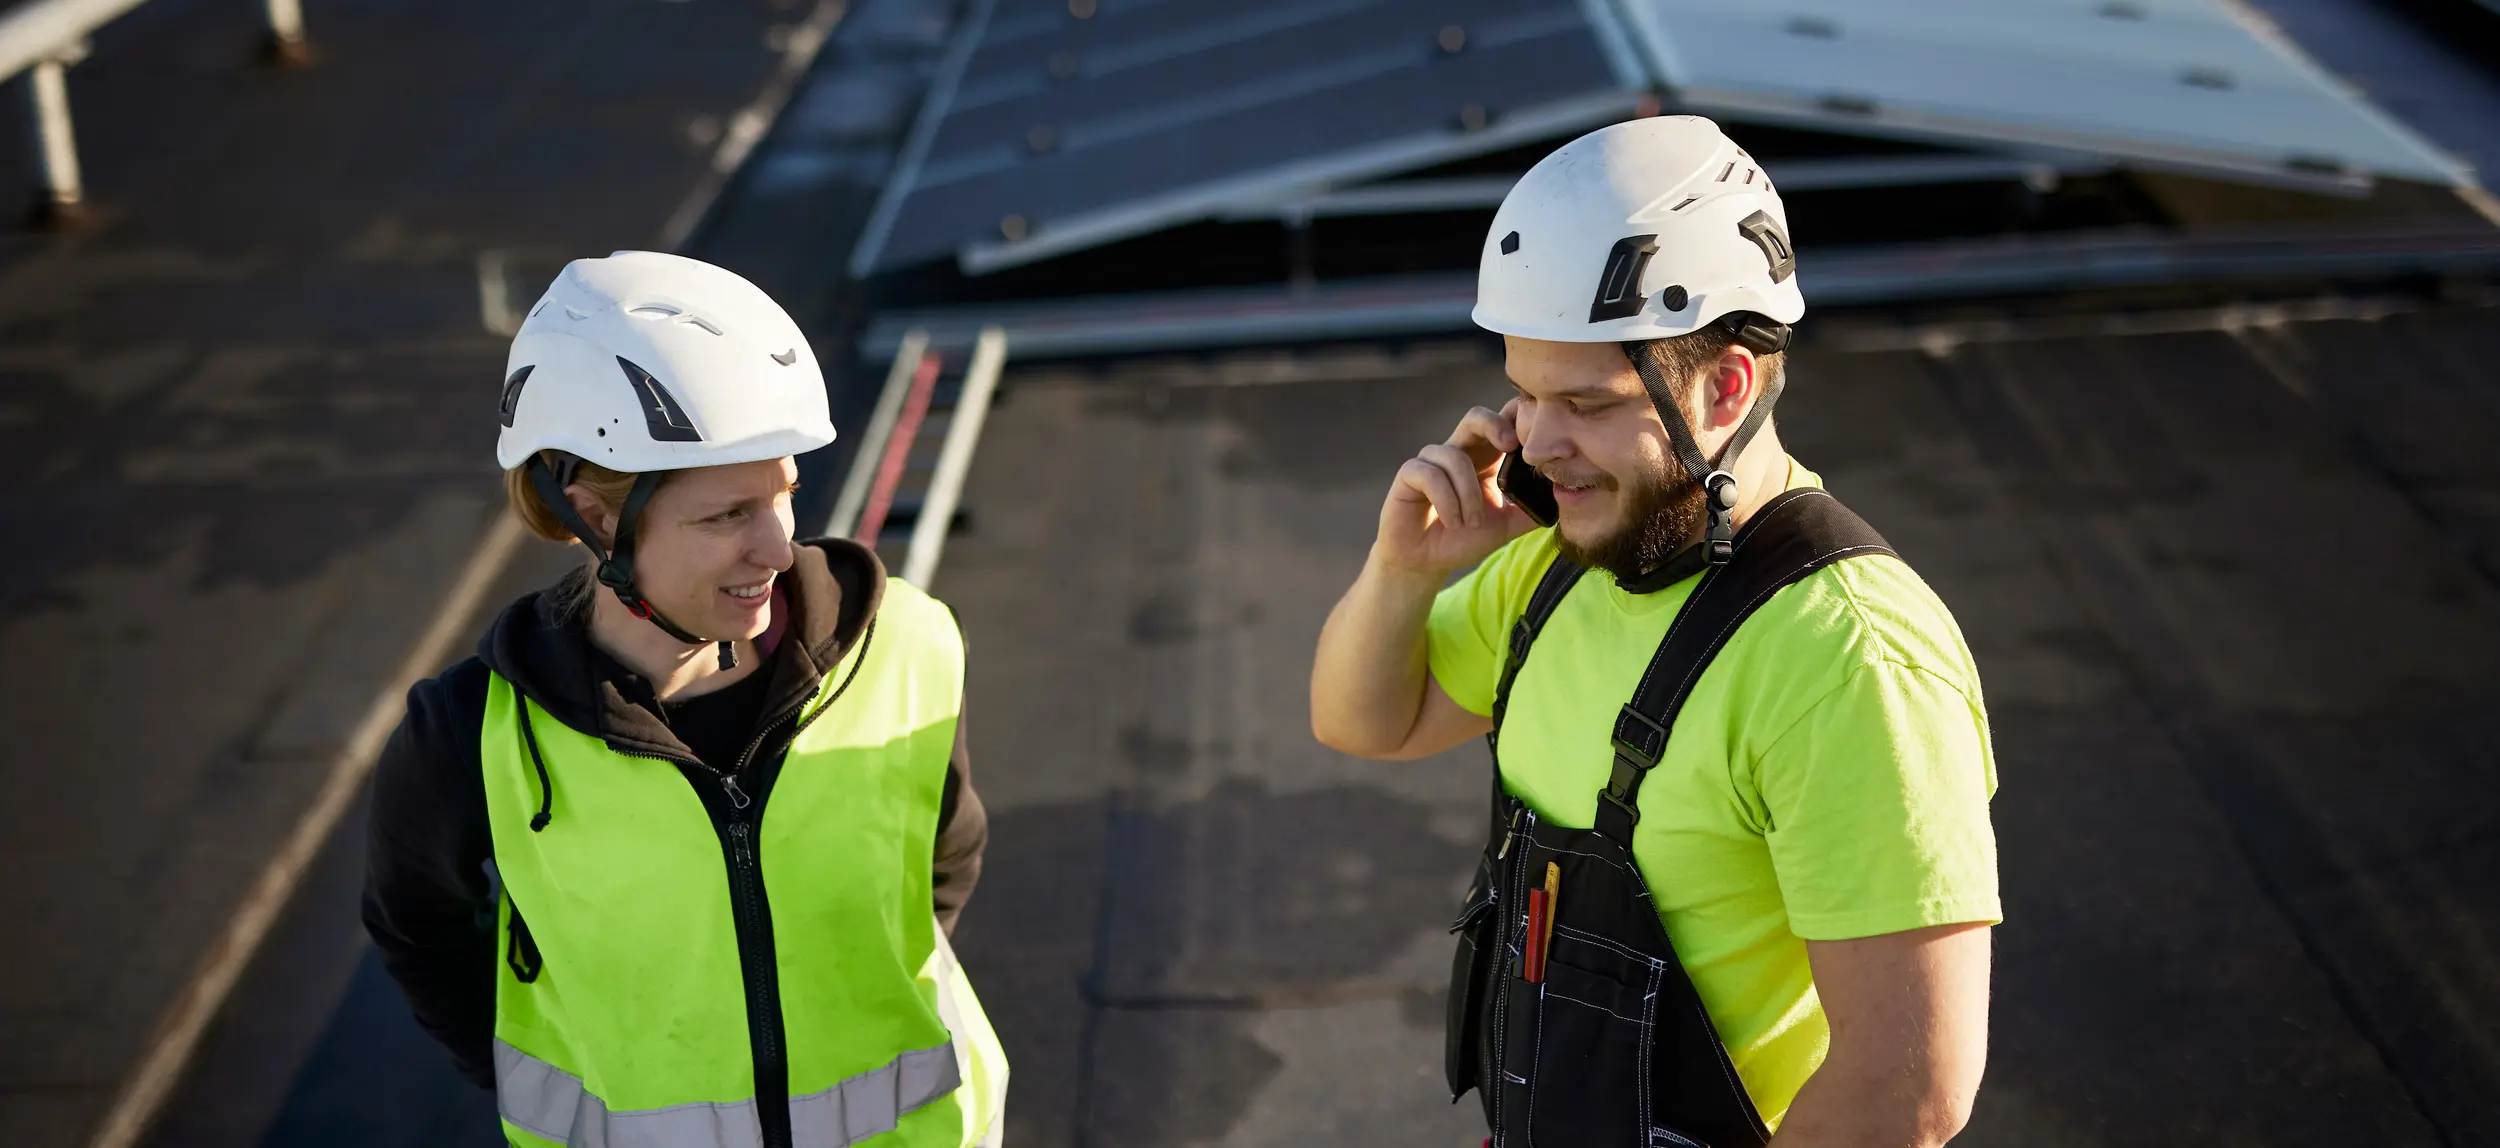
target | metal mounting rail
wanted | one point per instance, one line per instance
(1390, 307)
(42, 38)
(897, 477)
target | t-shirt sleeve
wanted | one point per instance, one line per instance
(1469, 629)
(1877, 808)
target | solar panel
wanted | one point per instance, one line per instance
(2196, 85)
(1062, 124)
(1057, 125)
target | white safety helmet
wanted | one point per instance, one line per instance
(646, 362)
(643, 363)
(1643, 231)
(1646, 229)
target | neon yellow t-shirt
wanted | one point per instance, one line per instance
(1828, 778)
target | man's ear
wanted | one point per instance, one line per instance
(594, 513)
(1730, 385)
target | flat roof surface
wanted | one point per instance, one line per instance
(2233, 600)
(249, 439)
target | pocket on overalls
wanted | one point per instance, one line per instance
(1595, 1015)
(1470, 974)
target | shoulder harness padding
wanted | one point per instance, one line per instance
(1792, 536)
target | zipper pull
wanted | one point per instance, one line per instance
(737, 797)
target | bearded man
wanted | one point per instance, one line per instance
(1753, 905)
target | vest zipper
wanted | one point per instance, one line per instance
(757, 966)
(763, 985)
(751, 911)
(751, 916)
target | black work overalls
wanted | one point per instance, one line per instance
(1580, 1027)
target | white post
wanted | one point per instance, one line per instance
(871, 449)
(56, 146)
(286, 32)
(963, 433)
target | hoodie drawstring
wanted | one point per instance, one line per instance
(546, 788)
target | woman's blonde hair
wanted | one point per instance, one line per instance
(610, 486)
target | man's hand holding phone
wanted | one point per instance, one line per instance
(1372, 693)
(1447, 509)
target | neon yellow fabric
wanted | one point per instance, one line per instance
(1828, 778)
(627, 896)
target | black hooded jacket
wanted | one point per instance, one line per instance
(429, 903)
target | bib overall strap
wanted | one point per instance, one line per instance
(1793, 535)
(1551, 589)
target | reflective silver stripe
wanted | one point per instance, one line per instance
(540, 1098)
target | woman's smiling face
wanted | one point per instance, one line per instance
(712, 541)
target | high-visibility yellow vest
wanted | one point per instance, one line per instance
(627, 1019)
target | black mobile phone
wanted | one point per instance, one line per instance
(1530, 490)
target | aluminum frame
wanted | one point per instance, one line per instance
(1473, 193)
(1437, 304)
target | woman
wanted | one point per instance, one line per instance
(671, 860)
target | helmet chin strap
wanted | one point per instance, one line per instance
(616, 565)
(1718, 544)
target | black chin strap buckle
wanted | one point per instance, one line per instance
(1722, 498)
(617, 577)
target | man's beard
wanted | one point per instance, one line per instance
(1664, 513)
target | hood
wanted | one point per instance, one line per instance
(831, 591)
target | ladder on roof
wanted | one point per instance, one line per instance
(910, 467)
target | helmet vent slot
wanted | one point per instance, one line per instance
(657, 311)
(1687, 203)
(1765, 233)
(666, 420)
(1727, 171)
(512, 393)
(1619, 292)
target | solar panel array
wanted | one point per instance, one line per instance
(1065, 123)
(1057, 125)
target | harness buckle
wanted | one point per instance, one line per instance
(1631, 816)
(1639, 740)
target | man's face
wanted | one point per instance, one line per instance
(712, 542)
(1586, 423)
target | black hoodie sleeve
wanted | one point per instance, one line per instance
(963, 832)
(428, 904)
